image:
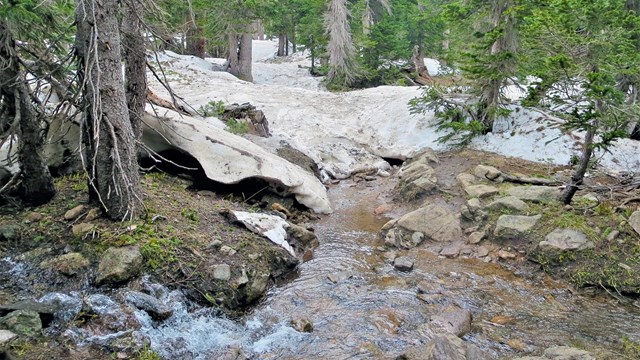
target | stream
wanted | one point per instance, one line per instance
(362, 308)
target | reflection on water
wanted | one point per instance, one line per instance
(361, 308)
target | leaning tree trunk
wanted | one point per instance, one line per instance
(135, 64)
(109, 154)
(239, 60)
(36, 183)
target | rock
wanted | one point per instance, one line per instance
(502, 320)
(229, 159)
(33, 217)
(119, 265)
(74, 213)
(9, 232)
(108, 311)
(154, 307)
(634, 221)
(482, 251)
(336, 277)
(476, 237)
(417, 238)
(613, 235)
(435, 222)
(510, 203)
(507, 255)
(67, 264)
(390, 239)
(465, 179)
(480, 191)
(416, 180)
(566, 239)
(82, 229)
(93, 214)
(403, 263)
(281, 209)
(222, 272)
(511, 226)
(62, 306)
(227, 250)
(22, 322)
(454, 320)
(258, 287)
(45, 311)
(487, 172)
(302, 325)
(535, 193)
(445, 347)
(451, 250)
(269, 226)
(567, 353)
(302, 235)
(5, 337)
(474, 205)
(384, 208)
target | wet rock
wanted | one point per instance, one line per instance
(511, 226)
(67, 264)
(93, 214)
(453, 319)
(535, 193)
(5, 337)
(476, 237)
(82, 229)
(232, 353)
(403, 263)
(109, 313)
(390, 238)
(22, 322)
(74, 213)
(445, 347)
(465, 179)
(62, 306)
(480, 191)
(634, 221)
(154, 307)
(384, 208)
(119, 265)
(487, 172)
(44, 310)
(435, 222)
(33, 217)
(302, 235)
(567, 353)
(302, 325)
(222, 272)
(258, 287)
(566, 239)
(9, 232)
(511, 203)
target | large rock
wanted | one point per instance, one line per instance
(634, 221)
(435, 222)
(272, 227)
(9, 232)
(510, 203)
(510, 226)
(22, 322)
(487, 172)
(229, 159)
(535, 193)
(445, 347)
(566, 239)
(5, 337)
(119, 265)
(67, 264)
(152, 306)
(480, 191)
(561, 353)
(453, 319)
(417, 177)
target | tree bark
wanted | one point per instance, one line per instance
(418, 62)
(282, 42)
(578, 176)
(109, 154)
(135, 64)
(239, 60)
(36, 185)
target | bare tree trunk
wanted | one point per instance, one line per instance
(239, 59)
(418, 62)
(342, 65)
(286, 45)
(36, 186)
(578, 175)
(109, 154)
(282, 43)
(135, 64)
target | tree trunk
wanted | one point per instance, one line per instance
(282, 42)
(258, 29)
(240, 46)
(418, 62)
(578, 175)
(195, 42)
(109, 154)
(36, 186)
(135, 64)
(286, 45)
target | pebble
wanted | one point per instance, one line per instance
(403, 263)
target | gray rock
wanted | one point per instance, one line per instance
(480, 191)
(93, 214)
(82, 229)
(487, 172)
(417, 238)
(416, 180)
(445, 347)
(66, 264)
(435, 222)
(509, 226)
(74, 213)
(227, 250)
(613, 235)
(476, 237)
(509, 203)
(22, 322)
(9, 232)
(566, 239)
(482, 251)
(109, 312)
(302, 325)
(465, 179)
(454, 320)
(451, 250)
(567, 353)
(64, 307)
(302, 235)
(119, 265)
(222, 272)
(154, 307)
(336, 277)
(474, 205)
(5, 337)
(258, 287)
(634, 221)
(535, 193)
(403, 263)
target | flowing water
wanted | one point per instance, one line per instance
(361, 308)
